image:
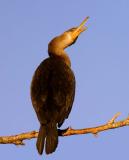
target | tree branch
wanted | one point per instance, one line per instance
(111, 124)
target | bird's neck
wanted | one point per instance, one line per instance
(59, 53)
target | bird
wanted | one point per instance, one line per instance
(53, 89)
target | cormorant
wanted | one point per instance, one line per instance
(53, 89)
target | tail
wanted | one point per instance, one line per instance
(51, 138)
(50, 133)
(41, 139)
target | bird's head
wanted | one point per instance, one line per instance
(68, 38)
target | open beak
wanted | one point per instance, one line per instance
(81, 28)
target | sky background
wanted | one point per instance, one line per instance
(100, 61)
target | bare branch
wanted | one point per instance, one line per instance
(111, 124)
(18, 139)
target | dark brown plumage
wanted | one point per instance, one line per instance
(53, 89)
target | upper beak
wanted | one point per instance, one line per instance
(81, 28)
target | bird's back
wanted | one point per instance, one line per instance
(52, 91)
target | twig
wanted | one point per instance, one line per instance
(111, 124)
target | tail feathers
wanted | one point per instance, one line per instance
(51, 138)
(41, 139)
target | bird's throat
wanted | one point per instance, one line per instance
(61, 54)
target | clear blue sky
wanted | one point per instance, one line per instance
(100, 60)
